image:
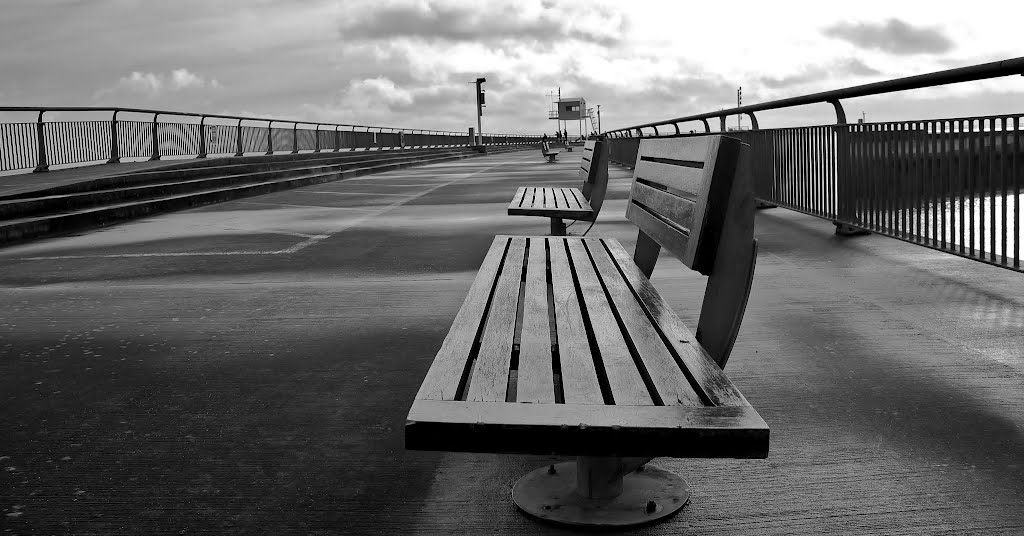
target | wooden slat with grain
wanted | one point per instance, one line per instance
(518, 199)
(690, 181)
(445, 374)
(537, 207)
(571, 429)
(715, 384)
(579, 378)
(535, 381)
(667, 236)
(572, 199)
(699, 149)
(627, 386)
(669, 380)
(490, 375)
(677, 209)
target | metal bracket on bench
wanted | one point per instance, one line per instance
(601, 492)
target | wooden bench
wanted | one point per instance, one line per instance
(545, 150)
(564, 347)
(581, 204)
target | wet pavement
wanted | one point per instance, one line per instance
(246, 368)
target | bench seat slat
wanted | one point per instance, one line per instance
(571, 429)
(627, 386)
(444, 376)
(549, 199)
(489, 382)
(668, 379)
(518, 199)
(535, 381)
(579, 378)
(571, 203)
(716, 385)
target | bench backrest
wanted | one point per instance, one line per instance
(594, 172)
(694, 197)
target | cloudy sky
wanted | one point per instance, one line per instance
(409, 63)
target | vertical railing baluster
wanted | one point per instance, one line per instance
(946, 165)
(990, 188)
(270, 138)
(337, 139)
(1016, 154)
(962, 151)
(295, 138)
(1003, 154)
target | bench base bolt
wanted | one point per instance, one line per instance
(592, 493)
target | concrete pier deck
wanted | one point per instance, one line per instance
(246, 368)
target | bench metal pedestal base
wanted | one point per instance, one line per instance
(557, 227)
(592, 492)
(843, 229)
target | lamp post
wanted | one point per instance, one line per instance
(479, 109)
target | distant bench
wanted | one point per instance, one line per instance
(564, 347)
(545, 150)
(581, 204)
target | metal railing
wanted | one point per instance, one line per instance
(951, 184)
(40, 144)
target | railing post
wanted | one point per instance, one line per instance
(317, 135)
(721, 119)
(353, 148)
(845, 202)
(239, 152)
(753, 121)
(840, 113)
(270, 138)
(337, 139)
(115, 157)
(707, 126)
(202, 137)
(295, 138)
(156, 141)
(41, 163)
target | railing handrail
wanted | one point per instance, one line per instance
(971, 73)
(119, 109)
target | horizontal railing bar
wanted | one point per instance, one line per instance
(118, 109)
(971, 73)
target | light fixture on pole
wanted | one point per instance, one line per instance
(479, 109)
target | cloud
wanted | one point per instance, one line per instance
(842, 69)
(152, 84)
(893, 36)
(490, 22)
(380, 92)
